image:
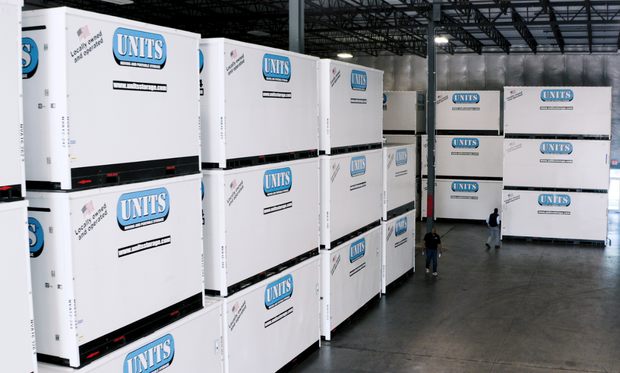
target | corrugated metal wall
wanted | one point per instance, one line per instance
(493, 72)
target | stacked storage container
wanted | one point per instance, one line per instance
(351, 173)
(398, 218)
(16, 313)
(404, 122)
(259, 109)
(118, 249)
(468, 155)
(556, 163)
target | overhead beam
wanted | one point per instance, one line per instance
(523, 30)
(464, 7)
(588, 11)
(556, 29)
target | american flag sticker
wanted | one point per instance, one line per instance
(233, 55)
(88, 208)
(233, 185)
(513, 92)
(83, 33)
(334, 71)
(510, 195)
(235, 307)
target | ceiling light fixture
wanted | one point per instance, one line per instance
(345, 55)
(259, 33)
(119, 2)
(441, 40)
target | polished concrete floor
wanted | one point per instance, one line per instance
(526, 307)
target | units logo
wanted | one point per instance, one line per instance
(357, 250)
(401, 226)
(276, 68)
(139, 49)
(562, 200)
(556, 148)
(401, 157)
(35, 237)
(464, 142)
(466, 98)
(139, 209)
(557, 95)
(358, 166)
(359, 80)
(384, 98)
(277, 181)
(30, 58)
(153, 357)
(278, 291)
(201, 61)
(465, 186)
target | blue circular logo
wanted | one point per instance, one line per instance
(30, 58)
(35, 237)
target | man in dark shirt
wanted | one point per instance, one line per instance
(431, 243)
(493, 224)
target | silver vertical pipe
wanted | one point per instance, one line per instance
(296, 26)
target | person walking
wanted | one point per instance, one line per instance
(431, 243)
(493, 224)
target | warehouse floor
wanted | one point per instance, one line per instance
(534, 308)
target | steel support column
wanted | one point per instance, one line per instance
(431, 95)
(296, 26)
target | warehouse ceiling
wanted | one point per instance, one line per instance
(377, 27)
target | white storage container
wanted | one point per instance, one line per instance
(272, 322)
(11, 120)
(465, 156)
(16, 318)
(258, 101)
(113, 262)
(463, 199)
(404, 112)
(349, 104)
(407, 139)
(107, 100)
(257, 218)
(558, 110)
(570, 164)
(351, 195)
(193, 344)
(559, 215)
(397, 248)
(350, 277)
(468, 111)
(399, 187)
